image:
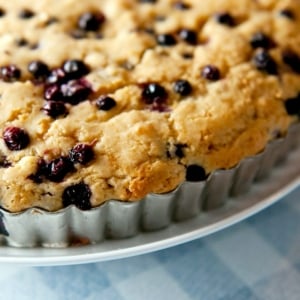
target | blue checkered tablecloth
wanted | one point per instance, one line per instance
(255, 259)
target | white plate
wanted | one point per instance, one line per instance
(283, 180)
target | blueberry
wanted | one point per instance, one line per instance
(187, 55)
(57, 76)
(81, 153)
(195, 173)
(182, 87)
(75, 68)
(261, 40)
(10, 73)
(15, 138)
(26, 14)
(264, 62)
(21, 42)
(38, 69)
(105, 103)
(287, 13)
(211, 72)
(154, 92)
(166, 40)
(58, 168)
(189, 36)
(225, 19)
(79, 195)
(292, 59)
(90, 21)
(75, 91)
(55, 109)
(53, 92)
(292, 105)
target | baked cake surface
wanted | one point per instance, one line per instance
(105, 99)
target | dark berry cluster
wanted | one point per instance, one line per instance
(66, 85)
(155, 96)
(169, 39)
(61, 85)
(56, 169)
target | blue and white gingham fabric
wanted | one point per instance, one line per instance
(256, 259)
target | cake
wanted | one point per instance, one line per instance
(105, 99)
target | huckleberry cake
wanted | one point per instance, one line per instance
(116, 99)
